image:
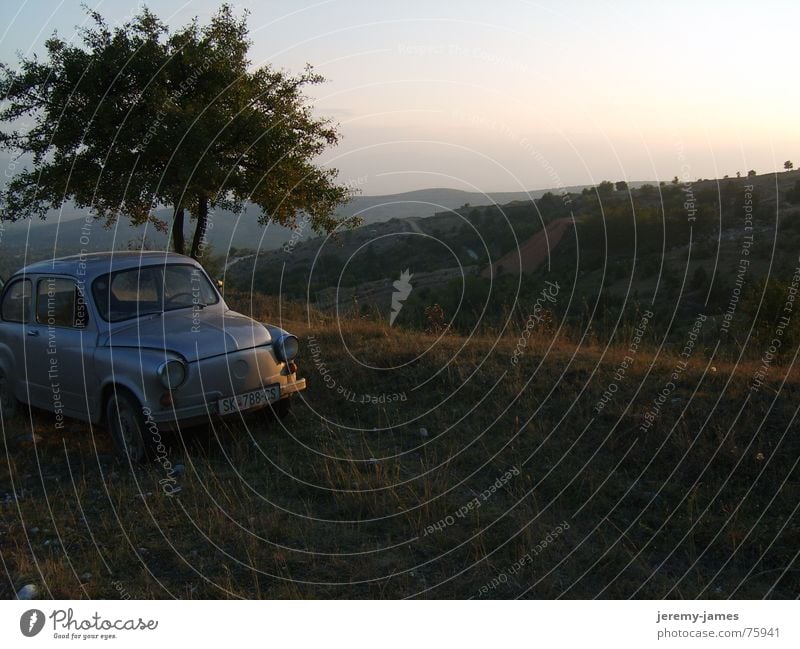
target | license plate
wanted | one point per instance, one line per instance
(249, 400)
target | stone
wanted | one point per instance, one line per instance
(28, 591)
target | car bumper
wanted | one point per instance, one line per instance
(188, 415)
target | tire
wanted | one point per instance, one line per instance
(9, 406)
(126, 424)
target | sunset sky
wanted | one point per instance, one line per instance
(517, 95)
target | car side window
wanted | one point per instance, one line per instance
(17, 301)
(60, 303)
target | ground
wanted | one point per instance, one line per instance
(441, 473)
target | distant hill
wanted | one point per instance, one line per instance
(427, 202)
(65, 232)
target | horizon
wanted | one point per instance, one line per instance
(67, 212)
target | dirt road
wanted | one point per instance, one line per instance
(531, 253)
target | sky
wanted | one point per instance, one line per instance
(513, 95)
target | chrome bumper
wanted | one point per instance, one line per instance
(188, 415)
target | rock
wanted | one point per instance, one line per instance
(178, 470)
(423, 432)
(28, 591)
(85, 577)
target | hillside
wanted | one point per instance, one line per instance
(433, 468)
(677, 248)
(67, 232)
(616, 424)
(531, 253)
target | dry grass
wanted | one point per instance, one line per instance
(338, 500)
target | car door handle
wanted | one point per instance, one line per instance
(33, 332)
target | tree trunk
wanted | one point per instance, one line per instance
(199, 240)
(178, 241)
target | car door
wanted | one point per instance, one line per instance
(60, 341)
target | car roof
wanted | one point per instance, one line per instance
(93, 264)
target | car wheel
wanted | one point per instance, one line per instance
(126, 424)
(282, 408)
(8, 402)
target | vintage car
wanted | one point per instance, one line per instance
(139, 342)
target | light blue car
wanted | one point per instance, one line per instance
(139, 342)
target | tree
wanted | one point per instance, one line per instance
(605, 188)
(750, 173)
(621, 186)
(648, 191)
(137, 117)
(788, 165)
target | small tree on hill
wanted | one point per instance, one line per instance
(788, 165)
(750, 173)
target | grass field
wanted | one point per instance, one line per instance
(423, 467)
